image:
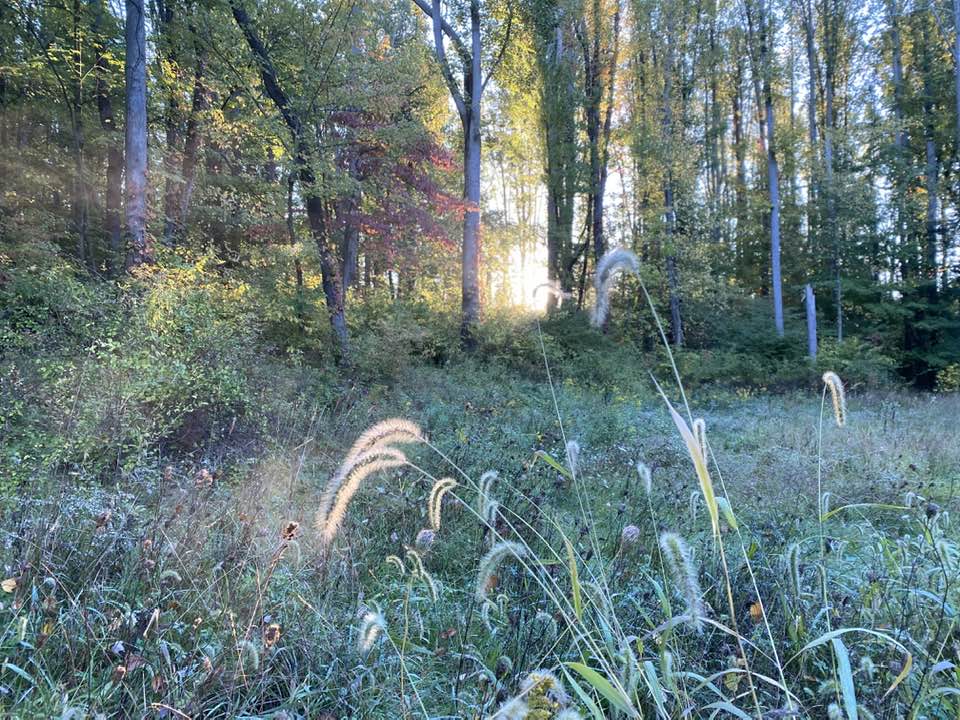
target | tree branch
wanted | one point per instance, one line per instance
(447, 30)
(501, 53)
(445, 70)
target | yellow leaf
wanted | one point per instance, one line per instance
(9, 585)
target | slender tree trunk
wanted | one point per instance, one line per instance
(470, 271)
(135, 145)
(79, 200)
(317, 215)
(956, 70)
(900, 136)
(811, 303)
(931, 174)
(773, 172)
(113, 182)
(191, 145)
(669, 207)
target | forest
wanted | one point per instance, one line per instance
(505, 359)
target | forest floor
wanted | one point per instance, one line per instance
(173, 592)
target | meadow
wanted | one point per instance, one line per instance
(591, 555)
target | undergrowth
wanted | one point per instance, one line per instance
(161, 556)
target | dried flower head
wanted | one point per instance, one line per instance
(425, 539)
(289, 531)
(630, 535)
(271, 634)
(614, 262)
(544, 684)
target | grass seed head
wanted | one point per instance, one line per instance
(372, 624)
(837, 396)
(677, 554)
(614, 262)
(434, 505)
(646, 476)
(491, 561)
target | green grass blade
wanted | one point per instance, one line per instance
(845, 675)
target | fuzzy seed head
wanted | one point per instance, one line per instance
(614, 262)
(677, 554)
(792, 560)
(397, 563)
(630, 535)
(646, 476)
(440, 488)
(513, 709)
(372, 624)
(573, 456)
(837, 396)
(491, 561)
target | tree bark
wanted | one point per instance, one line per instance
(135, 140)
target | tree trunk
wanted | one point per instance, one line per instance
(773, 172)
(113, 182)
(316, 210)
(956, 70)
(191, 145)
(135, 141)
(669, 207)
(811, 303)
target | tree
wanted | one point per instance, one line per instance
(140, 248)
(466, 83)
(318, 210)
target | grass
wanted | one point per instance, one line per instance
(178, 593)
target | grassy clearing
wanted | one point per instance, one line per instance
(175, 591)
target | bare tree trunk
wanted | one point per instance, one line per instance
(773, 172)
(956, 68)
(470, 271)
(113, 182)
(669, 208)
(811, 303)
(135, 73)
